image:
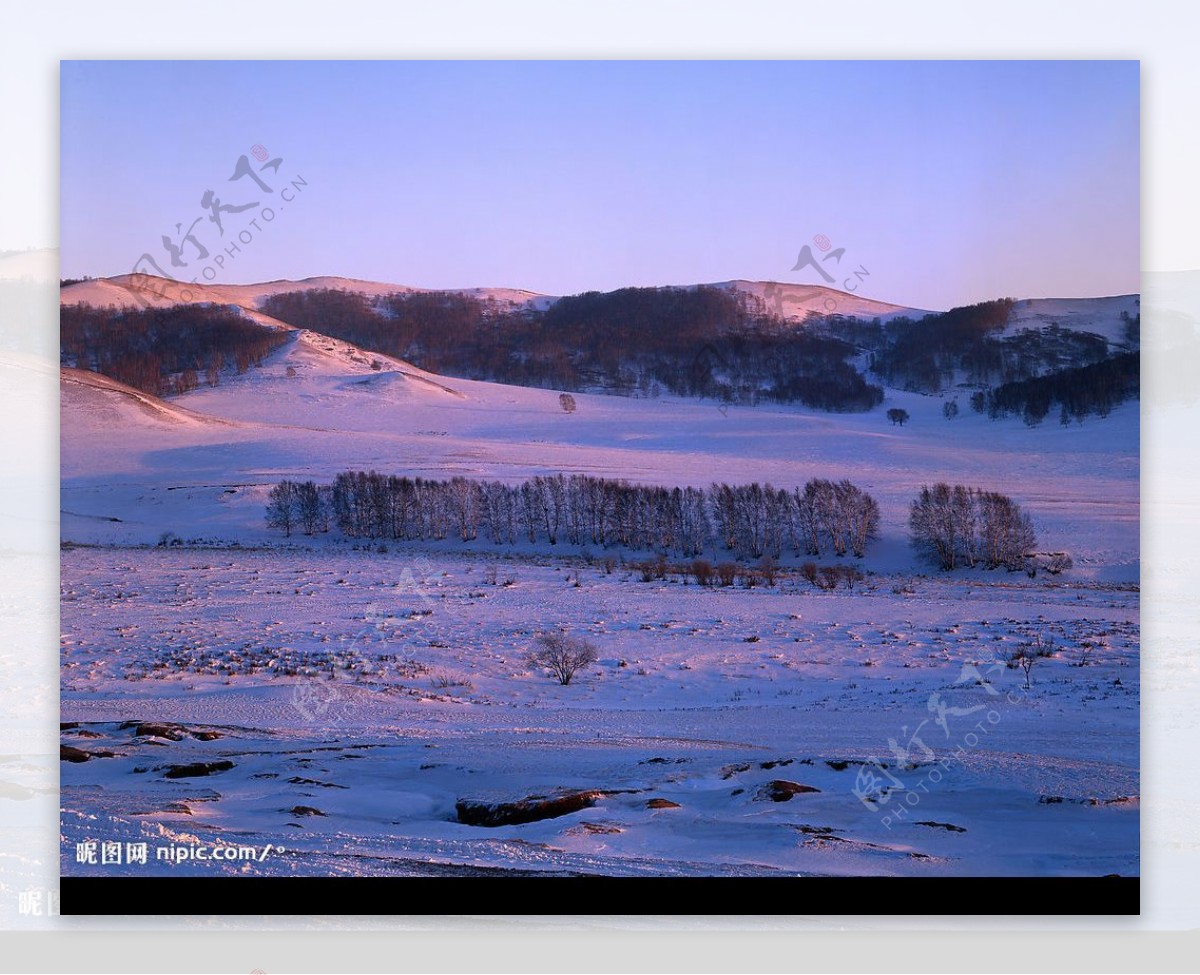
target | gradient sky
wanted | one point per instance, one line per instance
(950, 182)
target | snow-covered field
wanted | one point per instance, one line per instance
(381, 689)
(359, 695)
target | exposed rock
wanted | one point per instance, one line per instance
(774, 764)
(1116, 801)
(156, 729)
(68, 753)
(661, 804)
(595, 828)
(781, 790)
(949, 827)
(194, 769)
(1092, 801)
(168, 730)
(305, 811)
(816, 830)
(474, 812)
(841, 764)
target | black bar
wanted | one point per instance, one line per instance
(859, 896)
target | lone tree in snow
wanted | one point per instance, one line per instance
(1028, 654)
(562, 654)
(897, 415)
(567, 402)
(950, 409)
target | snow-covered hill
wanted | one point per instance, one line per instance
(793, 302)
(131, 290)
(798, 302)
(1100, 316)
(203, 462)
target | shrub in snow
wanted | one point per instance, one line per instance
(562, 654)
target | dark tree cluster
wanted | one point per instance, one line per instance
(759, 365)
(437, 330)
(963, 527)
(1131, 329)
(163, 350)
(1092, 389)
(701, 341)
(1034, 352)
(750, 520)
(925, 354)
(1024, 373)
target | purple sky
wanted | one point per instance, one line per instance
(950, 182)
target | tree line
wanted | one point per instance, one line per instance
(951, 526)
(929, 354)
(1079, 392)
(750, 520)
(702, 341)
(163, 351)
(923, 355)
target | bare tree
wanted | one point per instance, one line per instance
(959, 526)
(897, 415)
(567, 402)
(281, 507)
(562, 654)
(309, 507)
(1029, 653)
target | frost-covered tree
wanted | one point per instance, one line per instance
(959, 527)
(310, 508)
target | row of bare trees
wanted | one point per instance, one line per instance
(750, 520)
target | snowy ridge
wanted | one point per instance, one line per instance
(90, 399)
(1101, 316)
(131, 290)
(798, 302)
